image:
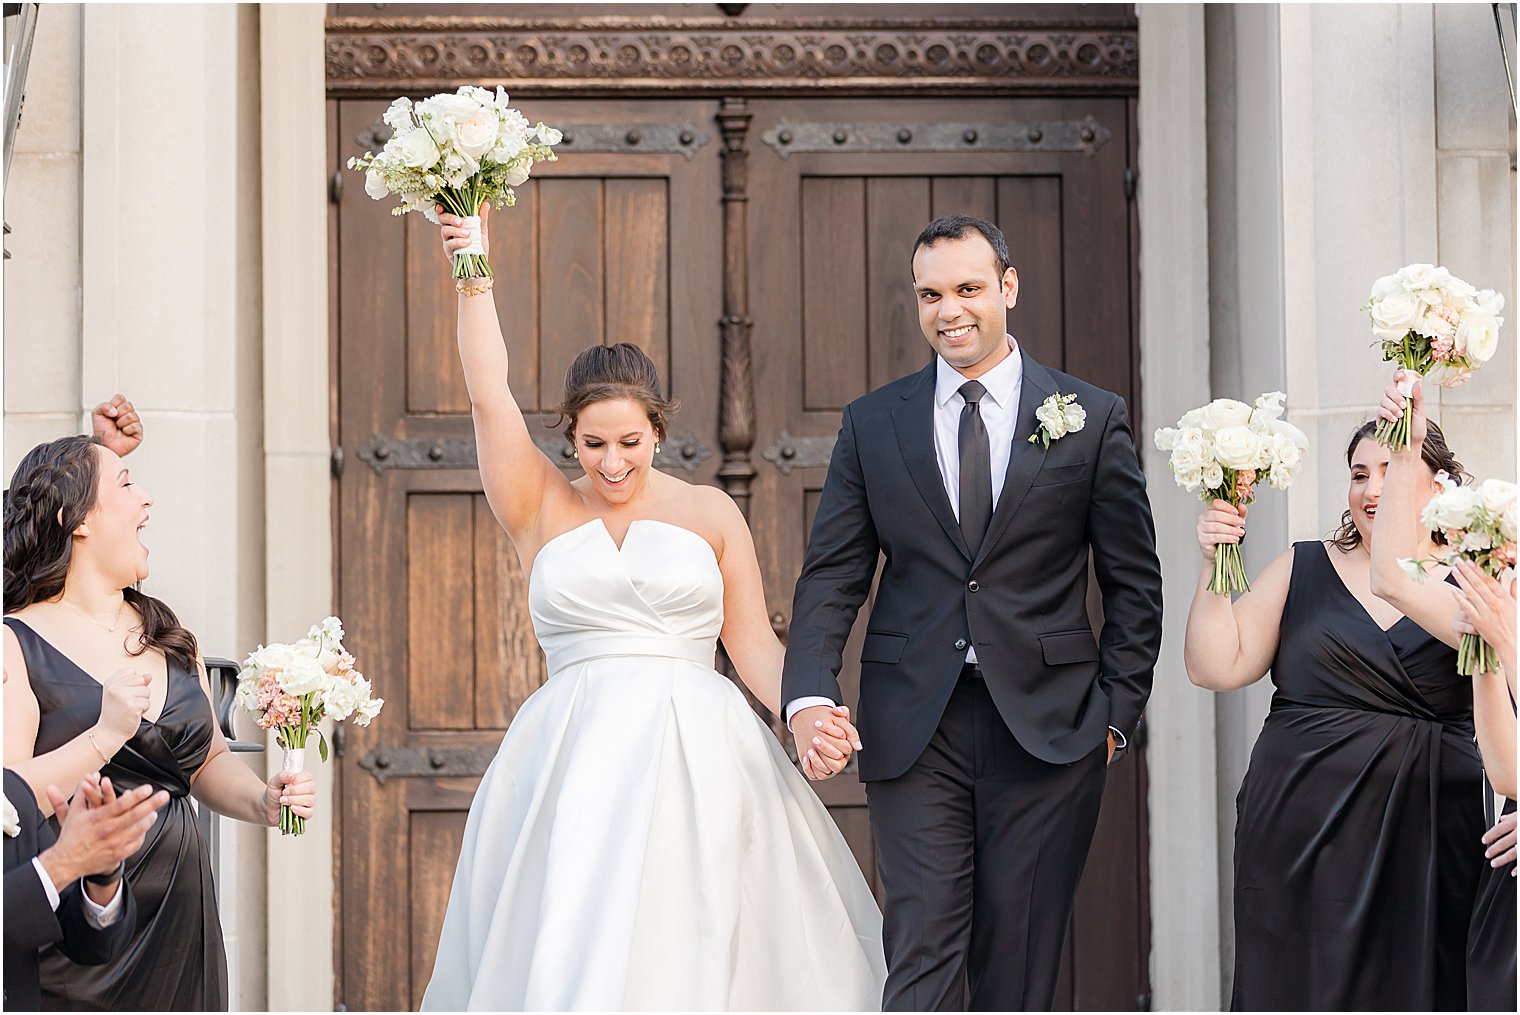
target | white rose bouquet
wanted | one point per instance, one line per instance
(1478, 524)
(1434, 325)
(292, 688)
(459, 150)
(1224, 451)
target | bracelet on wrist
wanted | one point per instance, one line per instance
(104, 757)
(474, 286)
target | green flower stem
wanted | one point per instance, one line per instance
(465, 202)
(1476, 656)
(1229, 570)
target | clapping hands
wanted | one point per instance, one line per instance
(825, 740)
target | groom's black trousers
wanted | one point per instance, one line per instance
(980, 846)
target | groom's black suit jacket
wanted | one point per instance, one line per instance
(31, 923)
(1020, 597)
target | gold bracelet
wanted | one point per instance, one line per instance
(103, 756)
(462, 287)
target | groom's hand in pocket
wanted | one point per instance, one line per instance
(825, 739)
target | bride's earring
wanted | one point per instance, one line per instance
(574, 453)
(656, 447)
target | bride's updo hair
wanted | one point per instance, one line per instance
(1434, 453)
(51, 492)
(614, 371)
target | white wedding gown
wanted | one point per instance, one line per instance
(641, 841)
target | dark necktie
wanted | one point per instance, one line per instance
(976, 468)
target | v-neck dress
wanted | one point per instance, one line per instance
(640, 841)
(1357, 823)
(176, 961)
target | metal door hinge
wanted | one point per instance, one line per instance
(1131, 182)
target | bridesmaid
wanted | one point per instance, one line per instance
(103, 677)
(1354, 868)
(1488, 610)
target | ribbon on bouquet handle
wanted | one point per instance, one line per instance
(1405, 384)
(294, 760)
(471, 223)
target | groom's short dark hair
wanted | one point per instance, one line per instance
(955, 227)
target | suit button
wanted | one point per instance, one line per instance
(960, 644)
(972, 585)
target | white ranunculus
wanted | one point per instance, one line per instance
(1498, 495)
(1238, 447)
(1454, 507)
(1400, 312)
(415, 149)
(1417, 276)
(269, 657)
(302, 675)
(477, 135)
(1188, 457)
(1052, 418)
(1386, 287)
(1166, 438)
(448, 108)
(1287, 457)
(1193, 418)
(1213, 475)
(1487, 303)
(374, 185)
(518, 175)
(1223, 412)
(1189, 479)
(1268, 407)
(1479, 336)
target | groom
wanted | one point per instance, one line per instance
(988, 711)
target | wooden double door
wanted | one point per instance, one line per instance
(629, 238)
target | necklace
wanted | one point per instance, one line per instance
(114, 620)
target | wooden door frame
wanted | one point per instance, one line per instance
(733, 60)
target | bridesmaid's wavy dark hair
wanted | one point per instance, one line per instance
(614, 371)
(1434, 453)
(51, 492)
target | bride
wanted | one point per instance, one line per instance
(640, 840)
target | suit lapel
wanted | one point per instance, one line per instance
(914, 422)
(1025, 459)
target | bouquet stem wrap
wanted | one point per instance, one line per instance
(1394, 434)
(1229, 570)
(293, 761)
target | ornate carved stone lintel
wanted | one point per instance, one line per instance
(790, 452)
(788, 55)
(1086, 136)
(383, 453)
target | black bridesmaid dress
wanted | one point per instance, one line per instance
(1355, 866)
(1491, 939)
(176, 961)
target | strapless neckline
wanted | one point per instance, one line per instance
(601, 523)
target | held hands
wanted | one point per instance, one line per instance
(1221, 522)
(117, 425)
(123, 703)
(1487, 610)
(297, 790)
(100, 829)
(1501, 843)
(456, 237)
(1391, 408)
(825, 740)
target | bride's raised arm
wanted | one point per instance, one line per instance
(517, 476)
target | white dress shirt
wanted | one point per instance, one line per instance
(97, 916)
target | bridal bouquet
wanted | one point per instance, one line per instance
(459, 150)
(1224, 451)
(292, 688)
(1478, 524)
(1432, 324)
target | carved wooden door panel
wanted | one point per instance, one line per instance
(838, 191)
(618, 243)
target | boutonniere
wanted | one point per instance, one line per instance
(1059, 415)
(12, 819)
